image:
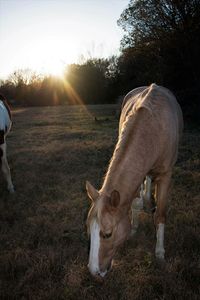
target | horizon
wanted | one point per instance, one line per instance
(30, 40)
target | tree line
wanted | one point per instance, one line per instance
(161, 44)
(91, 82)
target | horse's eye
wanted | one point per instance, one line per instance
(105, 236)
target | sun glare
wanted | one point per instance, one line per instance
(54, 68)
(50, 58)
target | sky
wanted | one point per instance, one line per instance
(46, 35)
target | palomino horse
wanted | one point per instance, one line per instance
(5, 125)
(149, 131)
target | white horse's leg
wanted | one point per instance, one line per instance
(162, 191)
(5, 168)
(160, 251)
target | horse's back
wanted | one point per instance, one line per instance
(160, 110)
(159, 101)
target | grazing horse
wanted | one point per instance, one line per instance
(5, 125)
(149, 131)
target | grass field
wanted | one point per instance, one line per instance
(52, 151)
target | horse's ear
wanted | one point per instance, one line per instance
(114, 199)
(91, 191)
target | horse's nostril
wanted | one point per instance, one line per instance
(99, 278)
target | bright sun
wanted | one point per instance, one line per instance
(51, 57)
(55, 68)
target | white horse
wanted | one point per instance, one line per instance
(5, 125)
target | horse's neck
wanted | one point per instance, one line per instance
(124, 178)
(130, 163)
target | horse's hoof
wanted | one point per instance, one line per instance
(161, 262)
(11, 190)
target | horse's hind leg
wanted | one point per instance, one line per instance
(147, 189)
(5, 167)
(162, 193)
(149, 204)
(136, 207)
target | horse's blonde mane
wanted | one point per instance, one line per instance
(145, 100)
(125, 135)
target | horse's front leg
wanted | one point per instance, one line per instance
(162, 194)
(136, 207)
(5, 168)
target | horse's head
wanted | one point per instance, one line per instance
(108, 226)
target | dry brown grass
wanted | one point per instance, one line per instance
(43, 248)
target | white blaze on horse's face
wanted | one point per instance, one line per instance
(94, 250)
